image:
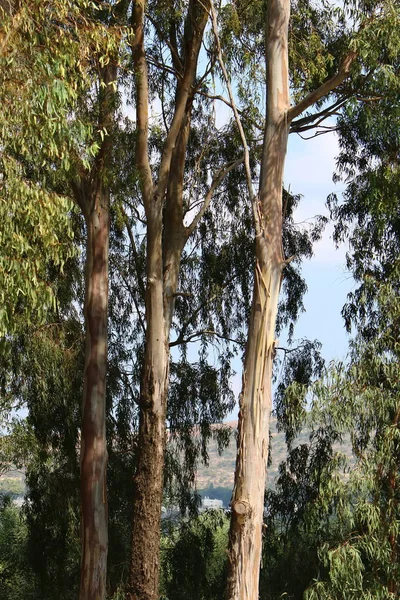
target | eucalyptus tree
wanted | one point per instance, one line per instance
(59, 52)
(37, 85)
(367, 215)
(332, 522)
(362, 399)
(364, 396)
(343, 47)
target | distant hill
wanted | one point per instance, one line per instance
(12, 482)
(220, 472)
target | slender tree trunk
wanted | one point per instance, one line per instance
(93, 196)
(93, 438)
(245, 538)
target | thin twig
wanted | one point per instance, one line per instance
(253, 196)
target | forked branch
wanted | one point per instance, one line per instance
(214, 185)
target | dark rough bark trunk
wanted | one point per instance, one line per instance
(93, 438)
(163, 262)
(148, 480)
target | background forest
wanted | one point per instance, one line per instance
(147, 247)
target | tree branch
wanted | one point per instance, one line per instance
(253, 196)
(308, 121)
(172, 45)
(128, 383)
(323, 89)
(215, 183)
(318, 133)
(135, 257)
(187, 323)
(142, 100)
(197, 27)
(197, 334)
(132, 295)
(152, 61)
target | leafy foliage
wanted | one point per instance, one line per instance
(193, 558)
(46, 53)
(17, 580)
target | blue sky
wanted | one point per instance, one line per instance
(309, 168)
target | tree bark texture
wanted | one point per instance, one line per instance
(245, 537)
(148, 481)
(93, 196)
(166, 237)
(93, 437)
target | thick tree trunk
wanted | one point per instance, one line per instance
(148, 480)
(163, 273)
(163, 262)
(245, 538)
(93, 438)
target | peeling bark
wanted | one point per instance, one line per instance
(245, 537)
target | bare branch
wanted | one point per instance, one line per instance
(135, 256)
(161, 65)
(318, 133)
(253, 196)
(194, 314)
(309, 121)
(194, 337)
(172, 45)
(132, 391)
(218, 97)
(208, 70)
(215, 183)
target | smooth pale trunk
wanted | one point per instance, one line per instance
(245, 538)
(247, 504)
(93, 440)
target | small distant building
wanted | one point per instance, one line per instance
(211, 504)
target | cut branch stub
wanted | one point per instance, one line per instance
(241, 508)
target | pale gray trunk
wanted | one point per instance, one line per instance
(245, 538)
